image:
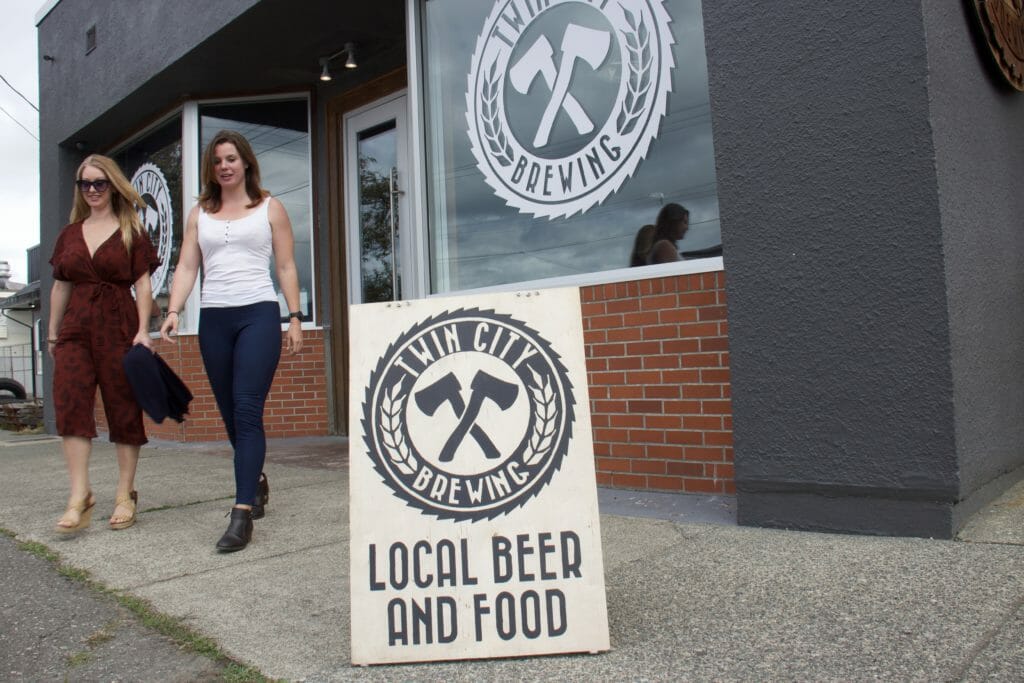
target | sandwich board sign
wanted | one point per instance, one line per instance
(474, 521)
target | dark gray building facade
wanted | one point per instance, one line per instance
(855, 173)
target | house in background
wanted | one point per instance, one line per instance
(20, 360)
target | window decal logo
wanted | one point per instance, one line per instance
(616, 54)
(157, 218)
(468, 414)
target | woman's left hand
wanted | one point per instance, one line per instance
(293, 337)
(144, 339)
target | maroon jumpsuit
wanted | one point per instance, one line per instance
(100, 321)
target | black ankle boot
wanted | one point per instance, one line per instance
(239, 531)
(262, 497)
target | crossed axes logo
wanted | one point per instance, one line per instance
(468, 414)
(627, 39)
(578, 43)
(449, 390)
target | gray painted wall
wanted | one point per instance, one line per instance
(978, 134)
(868, 173)
(134, 42)
(838, 323)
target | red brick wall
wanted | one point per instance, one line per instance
(657, 357)
(296, 406)
(658, 365)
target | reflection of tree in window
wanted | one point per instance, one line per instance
(375, 225)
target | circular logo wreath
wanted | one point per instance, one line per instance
(468, 414)
(157, 217)
(628, 38)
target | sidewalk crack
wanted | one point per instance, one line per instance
(286, 553)
(987, 638)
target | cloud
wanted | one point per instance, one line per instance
(19, 160)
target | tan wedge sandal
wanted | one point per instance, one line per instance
(131, 502)
(83, 508)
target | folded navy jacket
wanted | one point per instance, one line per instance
(158, 390)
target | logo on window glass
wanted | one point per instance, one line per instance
(565, 98)
(468, 414)
(157, 217)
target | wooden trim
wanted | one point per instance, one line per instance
(336, 109)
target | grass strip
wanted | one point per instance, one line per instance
(171, 627)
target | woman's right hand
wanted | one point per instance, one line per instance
(170, 327)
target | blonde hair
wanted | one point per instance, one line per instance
(125, 201)
(210, 198)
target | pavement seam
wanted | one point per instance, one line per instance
(33, 442)
(1015, 544)
(987, 638)
(237, 564)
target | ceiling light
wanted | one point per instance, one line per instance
(350, 61)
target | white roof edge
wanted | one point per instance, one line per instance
(46, 8)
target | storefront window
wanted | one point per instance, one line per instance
(578, 123)
(278, 131)
(153, 164)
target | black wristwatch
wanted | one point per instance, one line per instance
(295, 314)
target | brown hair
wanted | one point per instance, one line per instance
(125, 201)
(210, 199)
(642, 246)
(668, 218)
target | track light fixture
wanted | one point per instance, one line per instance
(350, 60)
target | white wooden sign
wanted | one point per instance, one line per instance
(474, 521)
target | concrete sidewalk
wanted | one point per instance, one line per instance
(691, 596)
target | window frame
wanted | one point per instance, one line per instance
(191, 158)
(420, 210)
(304, 95)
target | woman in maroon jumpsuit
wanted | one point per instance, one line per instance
(94, 320)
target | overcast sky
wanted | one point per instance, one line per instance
(19, 159)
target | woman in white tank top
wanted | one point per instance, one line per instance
(232, 232)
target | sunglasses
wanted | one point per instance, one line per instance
(100, 185)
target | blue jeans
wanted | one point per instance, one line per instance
(241, 347)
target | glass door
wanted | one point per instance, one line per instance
(376, 163)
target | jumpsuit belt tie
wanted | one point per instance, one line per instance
(111, 298)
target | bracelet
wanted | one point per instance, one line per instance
(295, 314)
(174, 312)
(51, 341)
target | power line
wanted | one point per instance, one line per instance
(19, 94)
(19, 123)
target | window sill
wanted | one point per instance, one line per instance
(690, 267)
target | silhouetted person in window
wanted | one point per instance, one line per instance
(642, 245)
(671, 226)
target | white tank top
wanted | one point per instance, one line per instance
(236, 259)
